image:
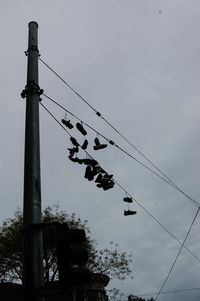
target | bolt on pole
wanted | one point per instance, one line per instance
(33, 274)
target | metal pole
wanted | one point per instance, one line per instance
(33, 244)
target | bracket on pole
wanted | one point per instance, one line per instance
(30, 89)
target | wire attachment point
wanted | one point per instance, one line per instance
(30, 89)
(33, 48)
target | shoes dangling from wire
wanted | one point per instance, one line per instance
(67, 123)
(98, 145)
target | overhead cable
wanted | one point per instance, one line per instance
(170, 292)
(127, 193)
(179, 252)
(124, 151)
(100, 115)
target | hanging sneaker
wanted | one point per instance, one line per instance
(67, 123)
(106, 178)
(98, 145)
(91, 162)
(99, 178)
(88, 173)
(81, 129)
(97, 169)
(96, 141)
(85, 144)
(128, 200)
(73, 150)
(74, 142)
(73, 159)
(108, 185)
(129, 212)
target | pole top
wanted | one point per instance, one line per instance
(33, 22)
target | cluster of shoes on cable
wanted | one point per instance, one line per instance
(93, 169)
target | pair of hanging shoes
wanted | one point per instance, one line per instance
(79, 126)
(98, 145)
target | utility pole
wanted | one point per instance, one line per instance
(33, 277)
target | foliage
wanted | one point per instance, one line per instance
(115, 294)
(108, 261)
(135, 298)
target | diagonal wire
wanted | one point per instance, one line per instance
(126, 192)
(171, 292)
(100, 115)
(190, 228)
(124, 151)
(119, 133)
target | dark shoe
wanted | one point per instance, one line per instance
(129, 212)
(88, 173)
(97, 169)
(67, 123)
(73, 150)
(85, 144)
(106, 178)
(81, 128)
(90, 162)
(108, 185)
(100, 146)
(128, 200)
(73, 159)
(96, 141)
(74, 142)
(99, 178)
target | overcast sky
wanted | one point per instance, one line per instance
(138, 63)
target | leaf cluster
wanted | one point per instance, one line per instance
(108, 261)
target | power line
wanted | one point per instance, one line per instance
(125, 152)
(100, 115)
(190, 228)
(67, 84)
(121, 135)
(127, 193)
(170, 292)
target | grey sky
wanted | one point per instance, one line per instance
(138, 63)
